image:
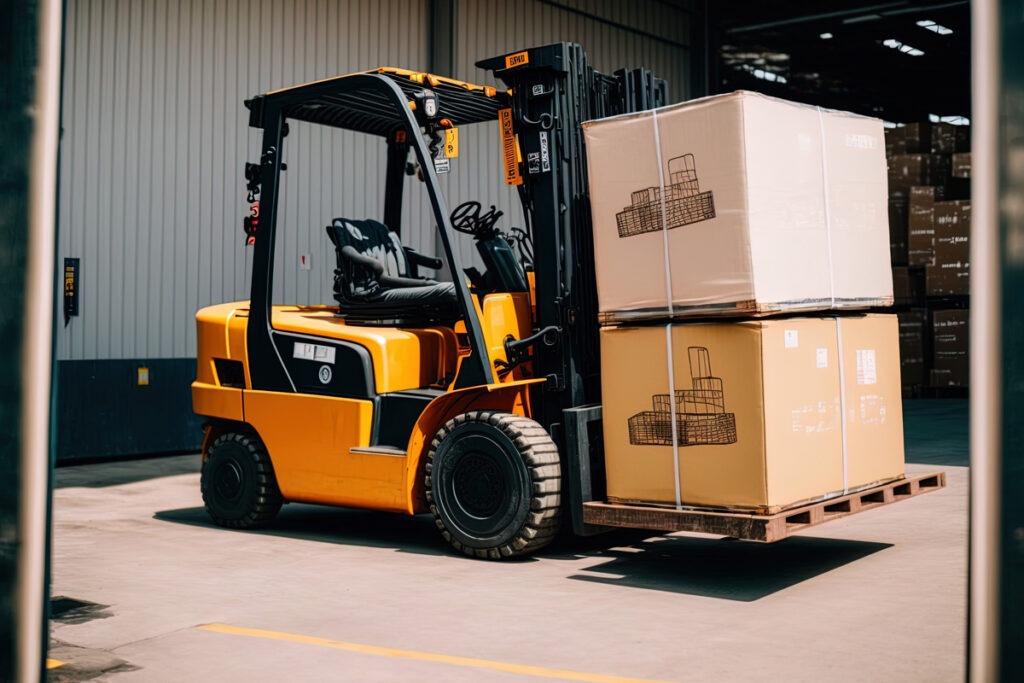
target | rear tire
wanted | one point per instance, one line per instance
(493, 482)
(238, 483)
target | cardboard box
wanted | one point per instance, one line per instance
(950, 348)
(909, 139)
(763, 206)
(949, 274)
(759, 410)
(921, 224)
(962, 165)
(951, 278)
(898, 226)
(947, 138)
(952, 221)
(912, 329)
(907, 286)
(908, 170)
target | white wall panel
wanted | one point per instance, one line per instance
(154, 138)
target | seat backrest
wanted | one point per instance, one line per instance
(371, 238)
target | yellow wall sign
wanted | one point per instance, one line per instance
(517, 59)
(451, 143)
(508, 148)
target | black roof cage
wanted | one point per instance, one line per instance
(368, 110)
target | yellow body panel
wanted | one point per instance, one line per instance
(216, 401)
(216, 327)
(311, 438)
(503, 315)
(402, 358)
(220, 333)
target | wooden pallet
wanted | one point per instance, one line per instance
(755, 527)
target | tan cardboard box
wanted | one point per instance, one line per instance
(759, 410)
(740, 203)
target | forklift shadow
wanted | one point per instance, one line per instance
(723, 568)
(342, 526)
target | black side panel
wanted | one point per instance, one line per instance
(330, 368)
(103, 411)
(396, 414)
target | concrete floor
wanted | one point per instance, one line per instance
(330, 594)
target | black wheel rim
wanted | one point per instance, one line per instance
(228, 481)
(478, 485)
(481, 485)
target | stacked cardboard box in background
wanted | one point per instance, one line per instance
(738, 241)
(929, 227)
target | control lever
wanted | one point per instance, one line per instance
(516, 350)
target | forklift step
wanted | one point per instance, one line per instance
(379, 450)
(759, 527)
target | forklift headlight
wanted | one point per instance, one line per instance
(426, 105)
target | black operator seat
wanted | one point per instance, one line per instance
(377, 279)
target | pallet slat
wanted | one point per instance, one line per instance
(756, 527)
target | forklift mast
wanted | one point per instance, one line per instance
(554, 90)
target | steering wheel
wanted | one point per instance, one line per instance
(465, 217)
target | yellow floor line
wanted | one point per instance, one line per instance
(424, 656)
(53, 663)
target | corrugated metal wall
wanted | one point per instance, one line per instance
(154, 138)
(642, 33)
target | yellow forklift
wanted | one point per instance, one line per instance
(479, 402)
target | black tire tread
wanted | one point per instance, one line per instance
(269, 500)
(542, 461)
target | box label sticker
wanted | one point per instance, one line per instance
(792, 338)
(314, 352)
(866, 371)
(821, 358)
(861, 141)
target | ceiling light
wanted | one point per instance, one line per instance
(769, 76)
(955, 120)
(932, 26)
(825, 36)
(902, 47)
(863, 17)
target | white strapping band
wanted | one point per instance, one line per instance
(828, 214)
(671, 313)
(842, 401)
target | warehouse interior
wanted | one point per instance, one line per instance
(838, 55)
(151, 200)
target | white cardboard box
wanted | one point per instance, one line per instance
(738, 204)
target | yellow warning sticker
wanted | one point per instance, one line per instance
(508, 148)
(451, 143)
(517, 59)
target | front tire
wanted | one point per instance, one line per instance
(238, 483)
(493, 482)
